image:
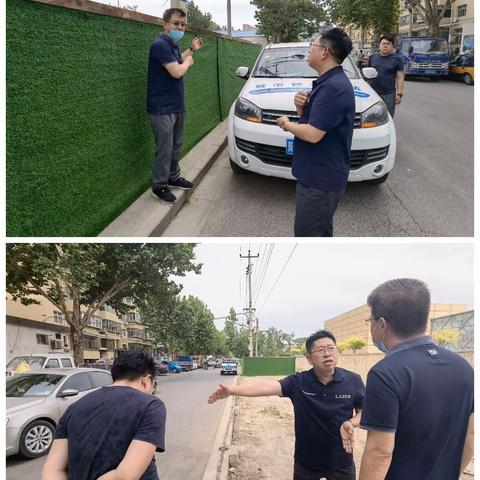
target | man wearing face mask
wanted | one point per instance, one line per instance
(418, 408)
(113, 432)
(166, 103)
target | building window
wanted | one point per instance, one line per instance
(58, 317)
(405, 20)
(95, 322)
(462, 10)
(42, 339)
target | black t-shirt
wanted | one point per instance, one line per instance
(101, 425)
(423, 393)
(319, 411)
(387, 68)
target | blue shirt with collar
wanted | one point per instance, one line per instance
(331, 107)
(165, 94)
(387, 67)
(423, 393)
(319, 411)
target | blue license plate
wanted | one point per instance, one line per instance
(289, 147)
(431, 72)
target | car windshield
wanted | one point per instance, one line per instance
(25, 385)
(432, 45)
(291, 62)
(24, 364)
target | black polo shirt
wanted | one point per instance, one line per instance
(387, 67)
(320, 410)
(331, 107)
(423, 393)
(165, 94)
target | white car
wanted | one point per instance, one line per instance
(257, 144)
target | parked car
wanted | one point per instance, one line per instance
(228, 367)
(462, 68)
(36, 400)
(217, 364)
(172, 366)
(257, 144)
(27, 363)
(161, 368)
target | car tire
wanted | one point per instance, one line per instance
(237, 168)
(36, 439)
(467, 78)
(378, 181)
(221, 373)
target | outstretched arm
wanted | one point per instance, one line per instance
(259, 388)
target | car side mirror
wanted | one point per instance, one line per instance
(243, 72)
(69, 392)
(369, 73)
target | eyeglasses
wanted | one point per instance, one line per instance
(323, 350)
(312, 44)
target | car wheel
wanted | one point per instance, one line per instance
(221, 373)
(237, 168)
(467, 78)
(378, 181)
(36, 439)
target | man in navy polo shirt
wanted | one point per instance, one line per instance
(418, 409)
(323, 136)
(166, 103)
(324, 400)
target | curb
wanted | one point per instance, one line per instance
(148, 217)
(217, 465)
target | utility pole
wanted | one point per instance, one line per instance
(229, 18)
(250, 309)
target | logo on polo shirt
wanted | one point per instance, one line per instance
(433, 352)
(343, 395)
(308, 393)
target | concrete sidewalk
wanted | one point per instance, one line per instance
(148, 217)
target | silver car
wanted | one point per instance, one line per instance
(37, 400)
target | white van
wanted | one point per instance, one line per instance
(257, 144)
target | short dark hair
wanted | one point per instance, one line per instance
(339, 43)
(132, 364)
(388, 37)
(404, 303)
(167, 14)
(317, 336)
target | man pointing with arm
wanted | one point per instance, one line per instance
(327, 404)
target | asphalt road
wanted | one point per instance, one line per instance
(428, 193)
(191, 428)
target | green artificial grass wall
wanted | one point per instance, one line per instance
(79, 142)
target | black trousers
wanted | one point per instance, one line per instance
(303, 473)
(314, 211)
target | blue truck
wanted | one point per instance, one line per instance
(424, 56)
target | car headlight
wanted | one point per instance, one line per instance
(375, 116)
(248, 111)
(414, 65)
(445, 65)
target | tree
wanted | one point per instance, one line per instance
(355, 343)
(288, 20)
(432, 11)
(342, 346)
(220, 344)
(446, 336)
(196, 18)
(79, 279)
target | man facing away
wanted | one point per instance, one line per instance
(113, 432)
(327, 403)
(418, 408)
(323, 136)
(166, 103)
(389, 82)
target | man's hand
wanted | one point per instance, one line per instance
(197, 44)
(281, 120)
(301, 99)
(219, 394)
(348, 437)
(398, 99)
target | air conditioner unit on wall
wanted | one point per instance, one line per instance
(56, 344)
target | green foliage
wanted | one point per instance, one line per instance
(446, 337)
(432, 10)
(288, 20)
(354, 343)
(93, 275)
(196, 18)
(342, 346)
(79, 141)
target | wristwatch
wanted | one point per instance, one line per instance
(400, 95)
(191, 49)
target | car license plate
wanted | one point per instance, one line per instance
(431, 72)
(289, 148)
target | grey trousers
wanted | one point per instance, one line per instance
(168, 132)
(314, 211)
(389, 99)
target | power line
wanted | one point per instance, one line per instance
(278, 278)
(264, 273)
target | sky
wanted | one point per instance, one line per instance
(242, 11)
(323, 280)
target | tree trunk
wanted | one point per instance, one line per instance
(76, 339)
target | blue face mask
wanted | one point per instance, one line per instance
(176, 35)
(379, 343)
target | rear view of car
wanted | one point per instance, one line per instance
(257, 144)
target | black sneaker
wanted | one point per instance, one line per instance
(181, 183)
(164, 195)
